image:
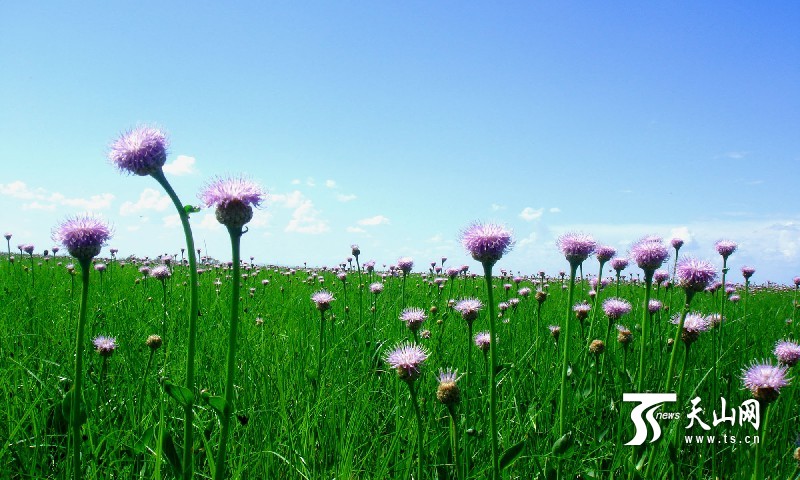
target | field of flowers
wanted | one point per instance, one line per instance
(182, 366)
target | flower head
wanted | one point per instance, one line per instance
(83, 236)
(581, 310)
(469, 308)
(695, 275)
(693, 325)
(615, 308)
(725, 247)
(154, 342)
(765, 380)
(355, 250)
(414, 317)
(748, 272)
(677, 243)
(555, 332)
(405, 264)
(576, 247)
(407, 359)
(649, 253)
(100, 267)
(141, 151)
(448, 392)
(161, 272)
(322, 299)
(28, 248)
(597, 347)
(7, 235)
(653, 306)
(376, 287)
(483, 341)
(619, 264)
(787, 352)
(604, 253)
(487, 242)
(105, 346)
(624, 335)
(234, 199)
(660, 276)
(796, 281)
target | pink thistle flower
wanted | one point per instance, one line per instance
(616, 308)
(765, 380)
(141, 151)
(82, 236)
(649, 253)
(576, 247)
(234, 199)
(487, 243)
(483, 341)
(787, 352)
(407, 359)
(322, 299)
(695, 275)
(414, 317)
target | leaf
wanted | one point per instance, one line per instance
(182, 395)
(562, 444)
(66, 408)
(171, 454)
(190, 209)
(512, 453)
(217, 403)
(141, 444)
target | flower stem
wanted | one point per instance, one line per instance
(419, 428)
(466, 397)
(194, 305)
(676, 339)
(757, 470)
(487, 269)
(454, 439)
(648, 286)
(562, 413)
(75, 414)
(227, 411)
(320, 350)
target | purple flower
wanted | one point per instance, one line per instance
(748, 272)
(615, 308)
(604, 253)
(83, 236)
(796, 281)
(693, 325)
(715, 319)
(100, 267)
(619, 264)
(355, 250)
(376, 288)
(788, 353)
(144, 270)
(322, 299)
(581, 310)
(414, 317)
(487, 243)
(28, 248)
(524, 291)
(555, 331)
(160, 272)
(576, 247)
(649, 253)
(624, 335)
(653, 306)
(105, 346)
(141, 151)
(725, 248)
(469, 308)
(405, 264)
(407, 359)
(677, 243)
(765, 380)
(234, 199)
(8, 236)
(734, 298)
(448, 392)
(660, 276)
(695, 275)
(482, 341)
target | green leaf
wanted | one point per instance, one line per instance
(512, 453)
(190, 209)
(182, 395)
(171, 454)
(66, 408)
(217, 403)
(141, 444)
(562, 444)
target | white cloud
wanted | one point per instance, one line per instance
(555, 210)
(305, 218)
(182, 165)
(330, 183)
(311, 182)
(149, 199)
(356, 230)
(43, 199)
(681, 232)
(530, 239)
(496, 207)
(209, 222)
(734, 155)
(172, 221)
(296, 181)
(529, 214)
(372, 221)
(345, 198)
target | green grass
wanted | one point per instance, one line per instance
(362, 424)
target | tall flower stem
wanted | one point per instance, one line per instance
(562, 412)
(320, 350)
(466, 396)
(360, 295)
(419, 427)
(596, 302)
(676, 340)
(194, 306)
(142, 386)
(454, 439)
(75, 414)
(757, 467)
(487, 269)
(227, 411)
(648, 286)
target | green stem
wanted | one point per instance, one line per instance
(320, 350)
(466, 397)
(648, 285)
(194, 306)
(562, 412)
(676, 339)
(419, 428)
(75, 417)
(757, 467)
(487, 269)
(227, 411)
(454, 439)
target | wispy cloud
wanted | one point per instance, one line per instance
(149, 199)
(42, 199)
(330, 183)
(530, 214)
(734, 155)
(555, 210)
(497, 207)
(305, 217)
(345, 197)
(356, 230)
(376, 220)
(182, 165)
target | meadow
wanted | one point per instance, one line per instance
(346, 414)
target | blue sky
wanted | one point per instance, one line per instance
(395, 124)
